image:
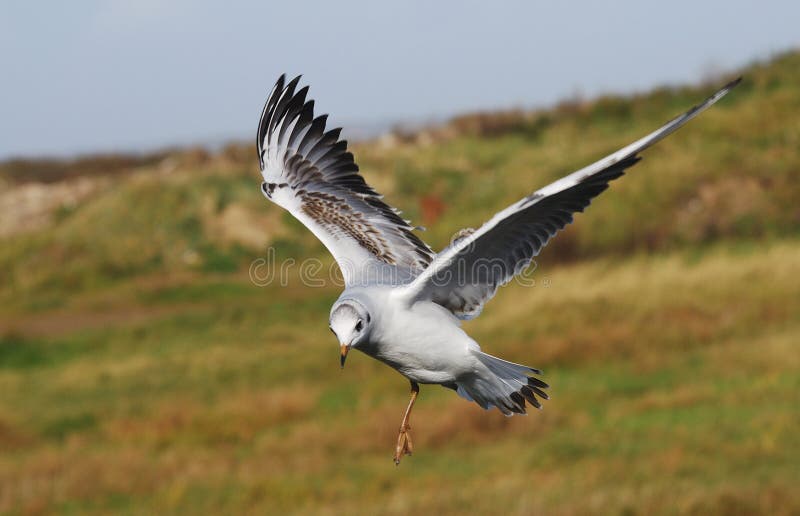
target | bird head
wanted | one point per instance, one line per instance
(350, 322)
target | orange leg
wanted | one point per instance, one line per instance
(404, 446)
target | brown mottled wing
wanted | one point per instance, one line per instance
(467, 274)
(309, 172)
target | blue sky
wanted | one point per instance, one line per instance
(114, 75)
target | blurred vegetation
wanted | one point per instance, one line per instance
(22, 170)
(142, 371)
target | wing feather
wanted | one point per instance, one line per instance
(309, 172)
(467, 273)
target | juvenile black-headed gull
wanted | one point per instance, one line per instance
(403, 303)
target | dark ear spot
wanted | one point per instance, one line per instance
(368, 318)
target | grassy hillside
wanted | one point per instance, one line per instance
(142, 371)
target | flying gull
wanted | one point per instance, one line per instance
(403, 303)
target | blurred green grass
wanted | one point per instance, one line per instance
(142, 371)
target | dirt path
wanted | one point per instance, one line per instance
(63, 321)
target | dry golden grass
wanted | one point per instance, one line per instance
(664, 416)
(141, 372)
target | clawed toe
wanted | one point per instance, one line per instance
(404, 445)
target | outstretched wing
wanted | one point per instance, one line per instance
(467, 274)
(309, 172)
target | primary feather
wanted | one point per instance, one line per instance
(309, 172)
(467, 274)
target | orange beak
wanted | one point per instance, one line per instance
(344, 348)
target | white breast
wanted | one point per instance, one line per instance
(424, 342)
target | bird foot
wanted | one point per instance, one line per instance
(404, 446)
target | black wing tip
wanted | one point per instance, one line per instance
(289, 89)
(724, 90)
(281, 85)
(733, 83)
(715, 97)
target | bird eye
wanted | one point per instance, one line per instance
(359, 325)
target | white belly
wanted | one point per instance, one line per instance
(424, 343)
